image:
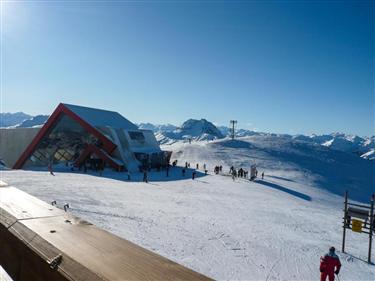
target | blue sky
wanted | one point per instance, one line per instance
(288, 67)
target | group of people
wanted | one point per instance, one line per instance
(241, 173)
(218, 169)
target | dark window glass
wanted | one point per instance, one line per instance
(137, 136)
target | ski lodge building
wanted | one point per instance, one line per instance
(77, 135)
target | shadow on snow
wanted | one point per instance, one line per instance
(284, 189)
(175, 174)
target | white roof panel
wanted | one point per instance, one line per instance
(99, 117)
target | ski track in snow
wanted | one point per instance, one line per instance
(271, 230)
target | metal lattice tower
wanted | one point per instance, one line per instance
(233, 123)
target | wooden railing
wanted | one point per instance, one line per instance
(39, 242)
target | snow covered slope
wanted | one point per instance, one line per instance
(271, 229)
(327, 169)
(370, 155)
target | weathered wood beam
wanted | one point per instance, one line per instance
(40, 242)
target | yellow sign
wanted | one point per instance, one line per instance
(356, 225)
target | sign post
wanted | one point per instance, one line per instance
(345, 221)
(372, 222)
(360, 219)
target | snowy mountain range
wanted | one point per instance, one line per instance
(36, 121)
(204, 130)
(21, 120)
(13, 119)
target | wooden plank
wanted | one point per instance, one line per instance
(22, 262)
(68, 269)
(21, 205)
(102, 252)
(88, 253)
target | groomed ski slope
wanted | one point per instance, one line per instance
(275, 229)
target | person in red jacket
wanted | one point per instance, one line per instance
(329, 265)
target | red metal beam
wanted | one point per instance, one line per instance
(90, 149)
(108, 145)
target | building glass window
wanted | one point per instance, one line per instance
(63, 143)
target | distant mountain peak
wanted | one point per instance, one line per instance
(11, 119)
(36, 121)
(194, 129)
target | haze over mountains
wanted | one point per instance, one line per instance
(204, 130)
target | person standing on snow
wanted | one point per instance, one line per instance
(145, 176)
(50, 168)
(329, 265)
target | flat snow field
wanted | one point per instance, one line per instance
(275, 229)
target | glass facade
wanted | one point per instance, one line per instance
(63, 143)
(156, 160)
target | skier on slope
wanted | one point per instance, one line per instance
(329, 265)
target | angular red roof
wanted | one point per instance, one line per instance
(88, 118)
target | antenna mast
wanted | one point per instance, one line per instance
(233, 123)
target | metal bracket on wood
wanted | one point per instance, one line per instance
(55, 262)
(66, 207)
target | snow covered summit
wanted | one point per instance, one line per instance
(199, 130)
(192, 129)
